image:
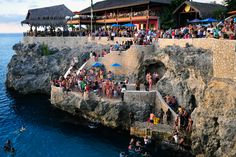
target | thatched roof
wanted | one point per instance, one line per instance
(205, 10)
(114, 4)
(48, 16)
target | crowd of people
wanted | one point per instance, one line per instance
(94, 80)
(121, 47)
(115, 32)
(182, 127)
(225, 30)
(182, 124)
(138, 148)
(141, 37)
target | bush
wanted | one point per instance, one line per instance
(45, 50)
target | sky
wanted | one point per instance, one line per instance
(12, 12)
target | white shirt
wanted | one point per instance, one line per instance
(123, 90)
(176, 138)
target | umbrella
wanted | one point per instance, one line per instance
(194, 21)
(116, 65)
(97, 64)
(209, 20)
(129, 25)
(115, 25)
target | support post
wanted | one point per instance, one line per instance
(147, 23)
(131, 15)
(117, 17)
(91, 17)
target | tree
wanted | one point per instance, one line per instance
(219, 14)
(166, 15)
(176, 3)
(230, 4)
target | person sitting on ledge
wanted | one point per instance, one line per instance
(151, 120)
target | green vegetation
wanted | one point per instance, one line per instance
(45, 50)
(166, 15)
(219, 14)
(231, 4)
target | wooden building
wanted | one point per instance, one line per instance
(143, 13)
(190, 10)
(54, 16)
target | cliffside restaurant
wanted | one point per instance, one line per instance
(190, 10)
(54, 16)
(144, 14)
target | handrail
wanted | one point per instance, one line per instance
(165, 104)
(82, 67)
(68, 72)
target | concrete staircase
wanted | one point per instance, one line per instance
(161, 104)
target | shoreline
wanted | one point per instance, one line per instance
(187, 73)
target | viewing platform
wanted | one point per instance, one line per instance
(163, 131)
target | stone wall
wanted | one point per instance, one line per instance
(71, 42)
(110, 112)
(130, 60)
(224, 53)
(144, 97)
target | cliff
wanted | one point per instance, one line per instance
(184, 73)
(34, 65)
(110, 112)
(214, 129)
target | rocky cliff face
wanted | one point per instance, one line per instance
(185, 73)
(214, 129)
(32, 67)
(111, 113)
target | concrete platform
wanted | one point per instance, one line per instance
(141, 129)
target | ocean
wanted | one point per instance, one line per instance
(50, 132)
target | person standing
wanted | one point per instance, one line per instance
(168, 116)
(160, 115)
(123, 89)
(137, 85)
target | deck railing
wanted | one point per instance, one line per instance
(119, 15)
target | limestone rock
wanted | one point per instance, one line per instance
(184, 72)
(30, 70)
(214, 132)
(113, 114)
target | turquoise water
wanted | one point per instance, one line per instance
(50, 132)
